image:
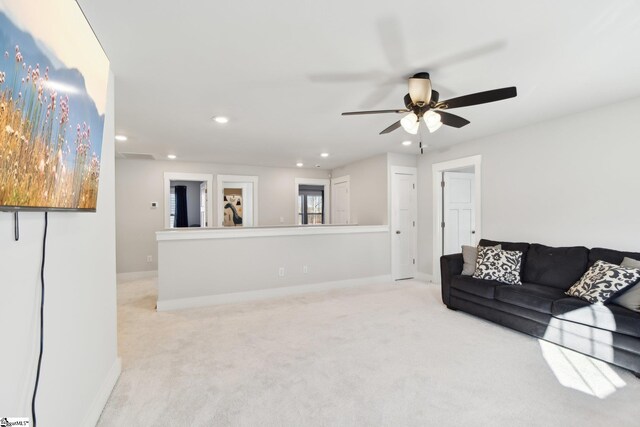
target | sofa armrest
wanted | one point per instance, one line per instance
(450, 265)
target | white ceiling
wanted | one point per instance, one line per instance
(284, 70)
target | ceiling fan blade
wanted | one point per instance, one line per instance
(391, 128)
(452, 120)
(481, 97)
(356, 113)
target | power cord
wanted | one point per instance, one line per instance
(35, 388)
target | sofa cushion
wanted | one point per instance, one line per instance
(507, 246)
(610, 255)
(529, 295)
(609, 317)
(478, 287)
(557, 267)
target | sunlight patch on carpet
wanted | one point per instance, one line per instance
(579, 372)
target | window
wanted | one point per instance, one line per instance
(172, 207)
(311, 204)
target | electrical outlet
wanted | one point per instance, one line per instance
(149, 258)
(281, 220)
(305, 269)
(281, 272)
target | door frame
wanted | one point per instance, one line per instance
(206, 197)
(180, 176)
(338, 180)
(326, 183)
(241, 180)
(408, 171)
(437, 170)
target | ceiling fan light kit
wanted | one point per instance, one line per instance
(420, 89)
(410, 123)
(423, 102)
(433, 121)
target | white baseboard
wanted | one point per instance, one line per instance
(180, 303)
(135, 275)
(424, 277)
(100, 400)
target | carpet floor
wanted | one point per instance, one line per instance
(379, 355)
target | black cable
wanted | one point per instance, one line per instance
(35, 388)
(16, 225)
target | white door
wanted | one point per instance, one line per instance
(459, 215)
(340, 202)
(403, 223)
(203, 204)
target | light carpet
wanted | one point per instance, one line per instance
(378, 355)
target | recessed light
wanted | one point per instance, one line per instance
(406, 143)
(324, 154)
(171, 156)
(299, 164)
(221, 119)
(121, 138)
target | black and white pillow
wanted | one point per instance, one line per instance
(499, 265)
(470, 259)
(604, 281)
(631, 297)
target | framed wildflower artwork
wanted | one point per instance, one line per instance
(53, 89)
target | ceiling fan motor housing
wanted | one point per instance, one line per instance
(420, 89)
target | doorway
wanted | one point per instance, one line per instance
(404, 231)
(458, 210)
(313, 205)
(457, 207)
(237, 201)
(187, 202)
(340, 200)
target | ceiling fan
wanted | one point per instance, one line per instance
(422, 103)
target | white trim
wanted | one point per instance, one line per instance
(180, 303)
(242, 180)
(405, 170)
(179, 176)
(135, 275)
(339, 180)
(239, 232)
(326, 183)
(100, 400)
(437, 169)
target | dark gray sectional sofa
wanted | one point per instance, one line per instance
(539, 307)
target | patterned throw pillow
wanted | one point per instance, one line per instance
(470, 258)
(630, 298)
(499, 265)
(603, 281)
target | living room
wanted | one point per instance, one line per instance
(322, 280)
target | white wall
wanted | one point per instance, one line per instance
(203, 267)
(140, 182)
(570, 181)
(193, 200)
(408, 160)
(369, 186)
(80, 363)
(367, 190)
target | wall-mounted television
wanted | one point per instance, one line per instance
(53, 89)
